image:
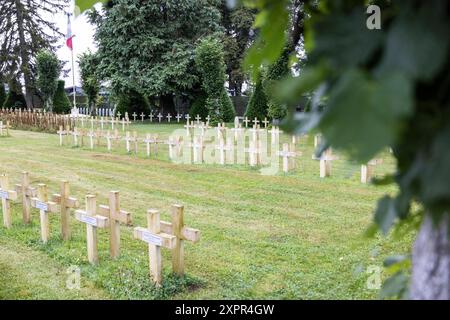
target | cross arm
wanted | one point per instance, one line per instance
(123, 216)
(161, 239)
(96, 221)
(70, 202)
(48, 206)
(188, 234)
(9, 194)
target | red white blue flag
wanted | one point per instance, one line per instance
(69, 36)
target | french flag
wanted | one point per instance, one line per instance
(69, 36)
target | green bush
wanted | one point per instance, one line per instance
(275, 73)
(131, 102)
(210, 63)
(61, 103)
(15, 99)
(257, 106)
(198, 107)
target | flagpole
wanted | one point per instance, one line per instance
(73, 69)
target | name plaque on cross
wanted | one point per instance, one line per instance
(4, 195)
(41, 205)
(88, 220)
(151, 238)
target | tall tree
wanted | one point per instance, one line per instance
(48, 69)
(390, 86)
(237, 22)
(89, 80)
(148, 46)
(2, 92)
(61, 103)
(26, 28)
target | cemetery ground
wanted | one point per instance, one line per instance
(288, 236)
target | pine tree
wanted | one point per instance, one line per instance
(2, 94)
(61, 103)
(25, 30)
(15, 98)
(257, 106)
(210, 63)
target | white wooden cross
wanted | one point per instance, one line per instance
(92, 221)
(172, 142)
(27, 194)
(178, 117)
(91, 136)
(151, 116)
(119, 115)
(6, 195)
(169, 117)
(61, 133)
(221, 151)
(256, 121)
(187, 117)
(155, 239)
(45, 207)
(75, 135)
(325, 162)
(113, 121)
(266, 122)
(108, 139)
(253, 152)
(142, 117)
(317, 140)
(237, 131)
(134, 115)
(275, 135)
(198, 118)
(198, 147)
(149, 139)
(208, 119)
(246, 121)
(124, 122)
(102, 121)
(286, 154)
(188, 126)
(116, 217)
(368, 169)
(66, 202)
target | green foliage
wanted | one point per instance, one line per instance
(48, 69)
(2, 94)
(90, 82)
(132, 101)
(61, 103)
(149, 46)
(83, 5)
(257, 106)
(199, 107)
(279, 70)
(210, 63)
(14, 99)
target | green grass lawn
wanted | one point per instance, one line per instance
(292, 236)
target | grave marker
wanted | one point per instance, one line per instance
(66, 202)
(155, 239)
(27, 194)
(93, 222)
(45, 207)
(6, 195)
(116, 216)
(368, 169)
(142, 117)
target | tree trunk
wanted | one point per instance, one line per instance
(430, 278)
(24, 55)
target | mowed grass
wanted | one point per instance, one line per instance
(288, 236)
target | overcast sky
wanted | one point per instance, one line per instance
(82, 42)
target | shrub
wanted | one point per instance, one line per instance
(198, 107)
(15, 99)
(61, 103)
(132, 101)
(257, 106)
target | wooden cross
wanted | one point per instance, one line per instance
(266, 122)
(256, 121)
(188, 126)
(253, 152)
(61, 133)
(187, 117)
(178, 117)
(119, 115)
(91, 136)
(134, 115)
(208, 119)
(108, 139)
(182, 234)
(275, 135)
(27, 193)
(6, 195)
(116, 216)
(142, 117)
(236, 122)
(155, 239)
(66, 202)
(126, 116)
(151, 116)
(113, 121)
(129, 138)
(325, 163)
(368, 169)
(198, 146)
(169, 117)
(124, 122)
(151, 140)
(172, 142)
(246, 121)
(286, 154)
(75, 135)
(45, 207)
(4, 127)
(317, 140)
(160, 116)
(92, 221)
(198, 118)
(221, 148)
(102, 121)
